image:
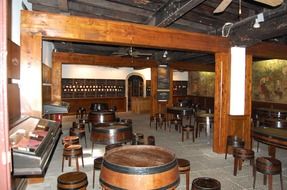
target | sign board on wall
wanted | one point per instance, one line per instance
(163, 83)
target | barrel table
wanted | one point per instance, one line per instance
(111, 133)
(96, 117)
(139, 167)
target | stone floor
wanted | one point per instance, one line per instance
(203, 161)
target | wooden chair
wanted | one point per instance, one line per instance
(268, 166)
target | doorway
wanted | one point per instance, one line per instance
(135, 88)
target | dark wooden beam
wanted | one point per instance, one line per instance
(172, 11)
(63, 5)
(243, 33)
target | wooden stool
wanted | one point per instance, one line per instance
(160, 119)
(138, 139)
(186, 129)
(268, 166)
(150, 140)
(79, 131)
(184, 168)
(205, 183)
(111, 146)
(72, 151)
(70, 140)
(234, 142)
(241, 154)
(72, 180)
(177, 122)
(97, 166)
(85, 122)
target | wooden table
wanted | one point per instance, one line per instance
(273, 137)
(183, 111)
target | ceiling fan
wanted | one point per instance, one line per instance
(131, 52)
(225, 3)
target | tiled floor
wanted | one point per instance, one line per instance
(203, 161)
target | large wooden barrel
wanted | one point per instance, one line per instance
(102, 117)
(139, 167)
(111, 133)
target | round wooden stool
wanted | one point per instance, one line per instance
(70, 140)
(79, 132)
(72, 180)
(184, 168)
(205, 183)
(111, 146)
(150, 140)
(268, 166)
(234, 142)
(72, 151)
(241, 154)
(138, 139)
(97, 166)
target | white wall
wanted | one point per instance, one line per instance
(99, 72)
(47, 53)
(16, 12)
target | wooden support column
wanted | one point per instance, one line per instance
(56, 79)
(225, 124)
(170, 101)
(31, 74)
(221, 100)
(154, 103)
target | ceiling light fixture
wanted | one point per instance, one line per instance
(259, 18)
(165, 54)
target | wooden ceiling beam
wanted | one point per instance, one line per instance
(70, 28)
(111, 61)
(63, 5)
(172, 11)
(243, 33)
(193, 66)
(268, 50)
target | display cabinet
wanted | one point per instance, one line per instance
(32, 141)
(89, 88)
(179, 88)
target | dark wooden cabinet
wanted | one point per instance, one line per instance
(179, 88)
(91, 88)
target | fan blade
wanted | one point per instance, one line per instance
(222, 6)
(272, 3)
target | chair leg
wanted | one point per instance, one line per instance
(83, 161)
(187, 180)
(257, 149)
(265, 179)
(93, 178)
(235, 166)
(193, 135)
(63, 163)
(85, 141)
(182, 136)
(77, 163)
(270, 182)
(226, 148)
(254, 177)
(281, 181)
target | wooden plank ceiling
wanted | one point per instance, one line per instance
(235, 22)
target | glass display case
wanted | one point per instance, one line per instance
(32, 141)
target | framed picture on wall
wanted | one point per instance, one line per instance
(163, 77)
(162, 95)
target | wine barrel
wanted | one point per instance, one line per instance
(139, 167)
(111, 133)
(102, 117)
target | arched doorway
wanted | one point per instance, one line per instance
(135, 88)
